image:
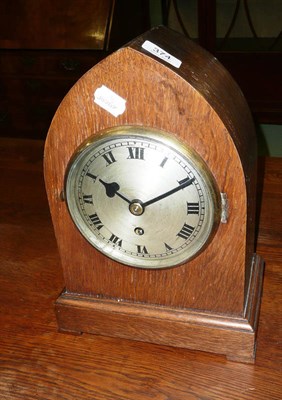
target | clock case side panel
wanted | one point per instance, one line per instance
(156, 97)
(210, 78)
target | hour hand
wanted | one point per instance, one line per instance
(112, 189)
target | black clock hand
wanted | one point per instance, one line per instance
(112, 190)
(183, 185)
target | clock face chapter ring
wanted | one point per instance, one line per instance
(141, 197)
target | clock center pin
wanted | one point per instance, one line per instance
(136, 208)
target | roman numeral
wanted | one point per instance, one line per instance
(96, 221)
(88, 198)
(142, 250)
(116, 240)
(186, 231)
(91, 176)
(110, 159)
(162, 164)
(167, 247)
(193, 208)
(135, 153)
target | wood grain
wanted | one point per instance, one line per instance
(36, 362)
(193, 104)
(165, 97)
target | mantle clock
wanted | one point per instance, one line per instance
(150, 171)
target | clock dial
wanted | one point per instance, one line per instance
(142, 198)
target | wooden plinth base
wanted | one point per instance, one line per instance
(232, 336)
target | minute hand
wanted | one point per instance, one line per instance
(170, 192)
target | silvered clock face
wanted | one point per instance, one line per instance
(142, 198)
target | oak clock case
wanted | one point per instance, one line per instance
(141, 198)
(153, 202)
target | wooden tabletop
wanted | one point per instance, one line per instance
(37, 362)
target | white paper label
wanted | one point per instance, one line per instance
(160, 53)
(109, 101)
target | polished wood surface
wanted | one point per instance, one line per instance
(37, 362)
(50, 24)
(133, 73)
(176, 306)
